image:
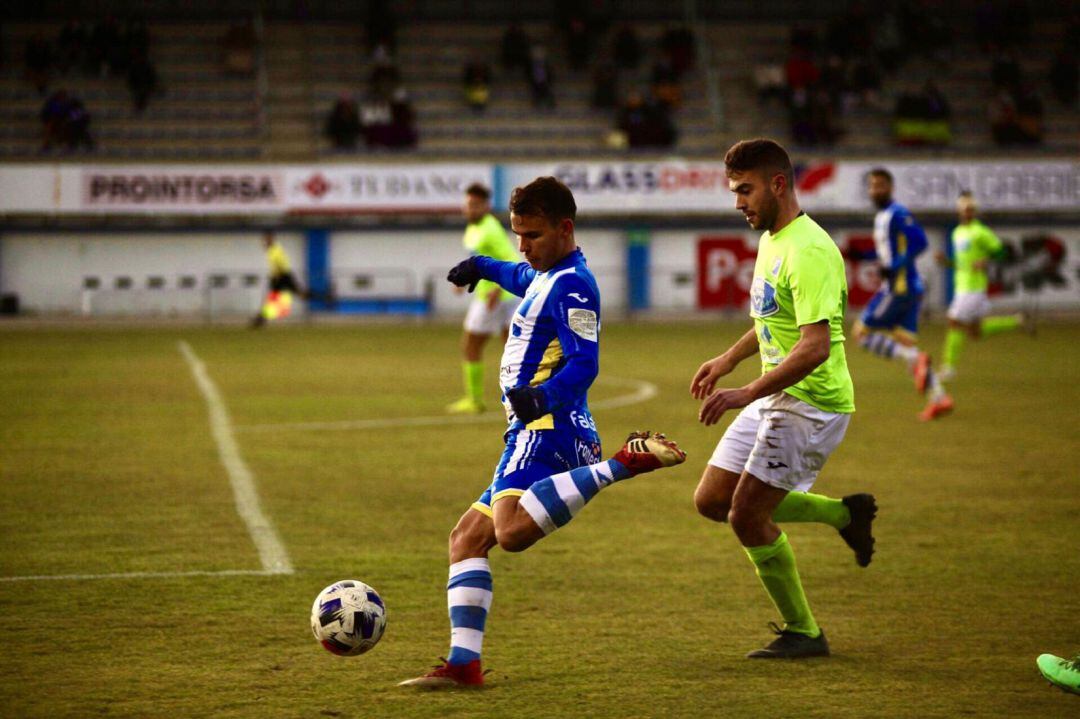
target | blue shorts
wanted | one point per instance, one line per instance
(532, 455)
(886, 311)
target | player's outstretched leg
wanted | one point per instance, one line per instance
(1062, 673)
(852, 516)
(886, 347)
(858, 532)
(553, 501)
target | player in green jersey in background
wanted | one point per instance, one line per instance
(797, 411)
(492, 307)
(974, 245)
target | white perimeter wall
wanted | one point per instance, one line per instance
(47, 269)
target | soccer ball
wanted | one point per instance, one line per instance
(348, 618)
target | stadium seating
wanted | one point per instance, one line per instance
(203, 113)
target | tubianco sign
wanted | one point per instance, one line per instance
(381, 188)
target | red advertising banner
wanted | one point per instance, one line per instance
(725, 269)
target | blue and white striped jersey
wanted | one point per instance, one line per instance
(898, 240)
(554, 340)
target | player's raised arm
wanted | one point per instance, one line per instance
(710, 371)
(513, 277)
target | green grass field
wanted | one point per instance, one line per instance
(639, 608)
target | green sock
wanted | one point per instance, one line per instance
(474, 380)
(1001, 323)
(776, 568)
(806, 507)
(954, 342)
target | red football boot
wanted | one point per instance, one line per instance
(922, 371)
(646, 451)
(937, 408)
(449, 675)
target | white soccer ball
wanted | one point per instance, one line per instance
(348, 618)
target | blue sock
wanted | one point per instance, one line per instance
(468, 594)
(553, 501)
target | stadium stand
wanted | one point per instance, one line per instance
(278, 110)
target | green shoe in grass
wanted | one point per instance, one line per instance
(1062, 673)
(465, 405)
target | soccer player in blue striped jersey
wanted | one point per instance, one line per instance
(551, 466)
(889, 325)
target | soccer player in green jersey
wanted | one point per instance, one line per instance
(974, 246)
(796, 413)
(492, 307)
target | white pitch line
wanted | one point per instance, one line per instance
(643, 391)
(147, 575)
(271, 551)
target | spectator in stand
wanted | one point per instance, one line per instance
(65, 122)
(1029, 114)
(645, 124)
(142, 80)
(389, 121)
(922, 118)
(627, 48)
(381, 26)
(605, 94)
(1017, 23)
(802, 75)
(54, 120)
(769, 82)
(1065, 77)
(402, 121)
(238, 49)
(578, 42)
(1004, 119)
(71, 45)
(515, 48)
(665, 82)
(385, 76)
(888, 43)
(476, 81)
(39, 62)
(677, 43)
(1005, 71)
(539, 76)
(343, 123)
(103, 39)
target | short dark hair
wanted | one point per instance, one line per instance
(759, 154)
(966, 195)
(881, 172)
(478, 190)
(545, 197)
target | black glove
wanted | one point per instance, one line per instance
(529, 403)
(886, 273)
(465, 273)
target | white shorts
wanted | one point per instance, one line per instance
(480, 320)
(969, 307)
(781, 440)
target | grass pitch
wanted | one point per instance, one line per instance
(639, 608)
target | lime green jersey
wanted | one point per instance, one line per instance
(972, 241)
(277, 259)
(799, 279)
(487, 237)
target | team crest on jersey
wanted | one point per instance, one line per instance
(763, 298)
(582, 322)
(776, 266)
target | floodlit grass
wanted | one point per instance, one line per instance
(639, 608)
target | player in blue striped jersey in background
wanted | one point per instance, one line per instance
(551, 465)
(889, 325)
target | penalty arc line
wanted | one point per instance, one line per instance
(272, 552)
(643, 391)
